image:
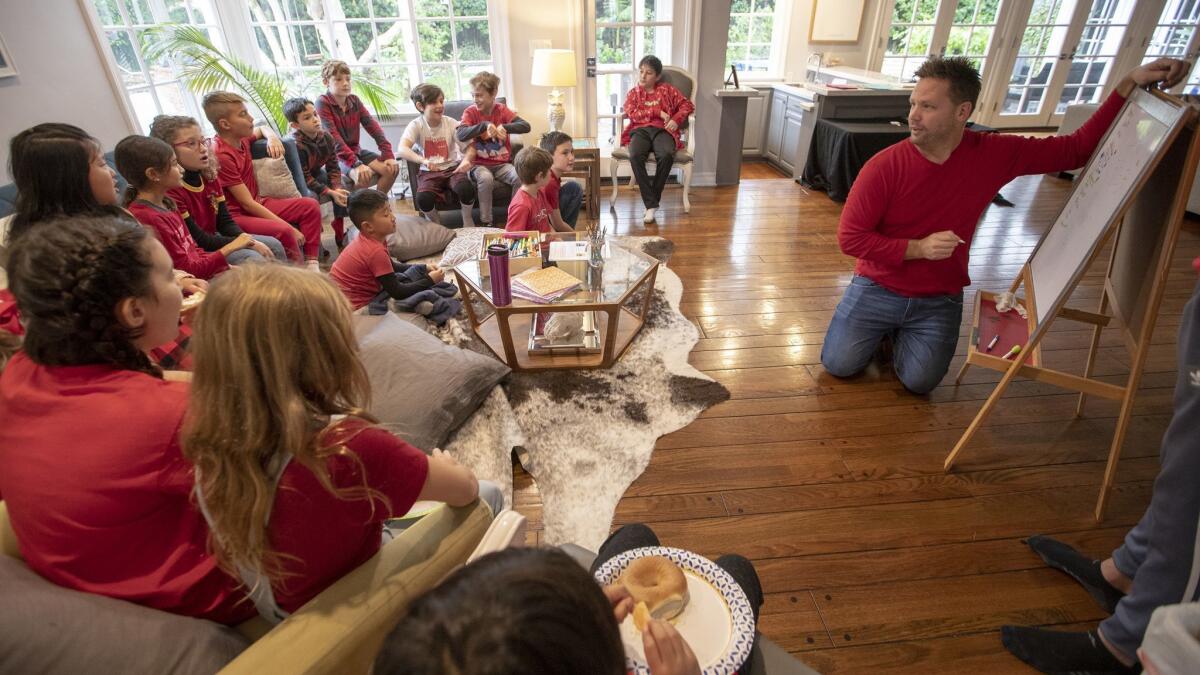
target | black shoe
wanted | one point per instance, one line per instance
(1082, 569)
(1062, 653)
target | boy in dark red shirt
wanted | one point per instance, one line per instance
(912, 213)
(317, 151)
(235, 133)
(342, 113)
(564, 199)
(487, 124)
(528, 210)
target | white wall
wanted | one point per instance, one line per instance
(62, 77)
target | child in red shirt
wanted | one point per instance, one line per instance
(235, 134)
(564, 199)
(487, 125)
(528, 210)
(150, 167)
(303, 437)
(366, 273)
(90, 466)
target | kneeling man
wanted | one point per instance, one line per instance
(912, 212)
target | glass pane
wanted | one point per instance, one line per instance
(466, 72)
(987, 12)
(443, 76)
(266, 11)
(739, 29)
(172, 99)
(762, 28)
(474, 41)
(654, 40)
(918, 40)
(108, 12)
(203, 12)
(980, 39)
(760, 53)
(610, 91)
(309, 49)
(1033, 100)
(297, 10)
(957, 45)
(435, 41)
(123, 52)
(361, 38)
(470, 7)
(614, 46)
(909, 72)
(387, 9)
(612, 11)
(892, 66)
(740, 7)
(392, 43)
(926, 11)
(965, 12)
(655, 10)
(354, 9)
(432, 8)
(903, 11)
(144, 107)
(395, 79)
(764, 7)
(897, 40)
(177, 11)
(139, 12)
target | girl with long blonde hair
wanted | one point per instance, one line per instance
(291, 472)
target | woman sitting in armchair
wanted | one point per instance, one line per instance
(656, 110)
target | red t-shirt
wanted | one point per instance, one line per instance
(330, 535)
(99, 493)
(550, 192)
(491, 151)
(237, 168)
(900, 195)
(527, 213)
(201, 203)
(173, 234)
(357, 269)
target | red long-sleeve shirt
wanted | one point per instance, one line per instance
(343, 122)
(643, 109)
(173, 234)
(900, 195)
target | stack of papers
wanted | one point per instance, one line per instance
(543, 286)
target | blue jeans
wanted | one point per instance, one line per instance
(570, 200)
(924, 333)
(246, 255)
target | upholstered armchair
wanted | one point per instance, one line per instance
(686, 84)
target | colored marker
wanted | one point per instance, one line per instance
(1013, 352)
(992, 344)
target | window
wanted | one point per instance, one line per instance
(1175, 35)
(910, 37)
(754, 40)
(1097, 51)
(972, 29)
(396, 43)
(152, 88)
(626, 30)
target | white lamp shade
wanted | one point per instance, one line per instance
(554, 67)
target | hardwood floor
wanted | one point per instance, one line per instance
(872, 558)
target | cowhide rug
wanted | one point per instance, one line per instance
(586, 435)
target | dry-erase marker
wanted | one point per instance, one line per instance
(992, 344)
(1013, 352)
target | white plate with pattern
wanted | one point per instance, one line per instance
(717, 623)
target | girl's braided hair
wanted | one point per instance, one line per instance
(68, 279)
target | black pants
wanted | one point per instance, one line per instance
(637, 535)
(642, 142)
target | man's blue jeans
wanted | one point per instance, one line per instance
(570, 200)
(924, 333)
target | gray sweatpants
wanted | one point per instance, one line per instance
(1160, 553)
(485, 180)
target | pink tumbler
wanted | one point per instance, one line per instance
(498, 266)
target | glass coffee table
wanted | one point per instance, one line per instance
(610, 307)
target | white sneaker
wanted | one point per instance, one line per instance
(313, 266)
(649, 217)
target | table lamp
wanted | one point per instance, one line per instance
(554, 68)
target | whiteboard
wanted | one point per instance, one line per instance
(1134, 143)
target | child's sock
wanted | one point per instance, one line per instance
(313, 265)
(1082, 569)
(433, 216)
(1061, 652)
(468, 221)
(424, 308)
(339, 232)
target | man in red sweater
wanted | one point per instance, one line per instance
(913, 209)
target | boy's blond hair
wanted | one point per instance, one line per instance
(332, 69)
(532, 162)
(489, 81)
(220, 104)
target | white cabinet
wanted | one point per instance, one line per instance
(775, 125)
(789, 159)
(756, 117)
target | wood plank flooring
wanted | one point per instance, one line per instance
(873, 560)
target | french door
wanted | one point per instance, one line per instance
(920, 28)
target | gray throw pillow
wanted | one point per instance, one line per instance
(421, 388)
(45, 628)
(274, 178)
(467, 245)
(417, 238)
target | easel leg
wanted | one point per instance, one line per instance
(986, 409)
(1091, 359)
(961, 371)
(1114, 452)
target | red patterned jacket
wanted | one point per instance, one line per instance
(643, 107)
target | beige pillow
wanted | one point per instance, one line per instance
(274, 178)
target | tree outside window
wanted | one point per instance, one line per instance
(751, 46)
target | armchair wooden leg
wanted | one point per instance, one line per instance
(687, 186)
(613, 166)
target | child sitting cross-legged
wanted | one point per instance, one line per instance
(150, 167)
(317, 151)
(445, 167)
(297, 491)
(528, 210)
(368, 276)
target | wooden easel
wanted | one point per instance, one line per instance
(1148, 221)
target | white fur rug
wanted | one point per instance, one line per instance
(586, 435)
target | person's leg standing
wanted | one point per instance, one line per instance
(629, 537)
(570, 201)
(485, 182)
(1170, 571)
(640, 144)
(305, 215)
(664, 159)
(926, 341)
(865, 314)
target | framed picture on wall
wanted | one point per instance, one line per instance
(836, 21)
(7, 69)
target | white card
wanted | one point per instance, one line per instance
(569, 250)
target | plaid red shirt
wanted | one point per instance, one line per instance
(343, 123)
(314, 154)
(643, 107)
